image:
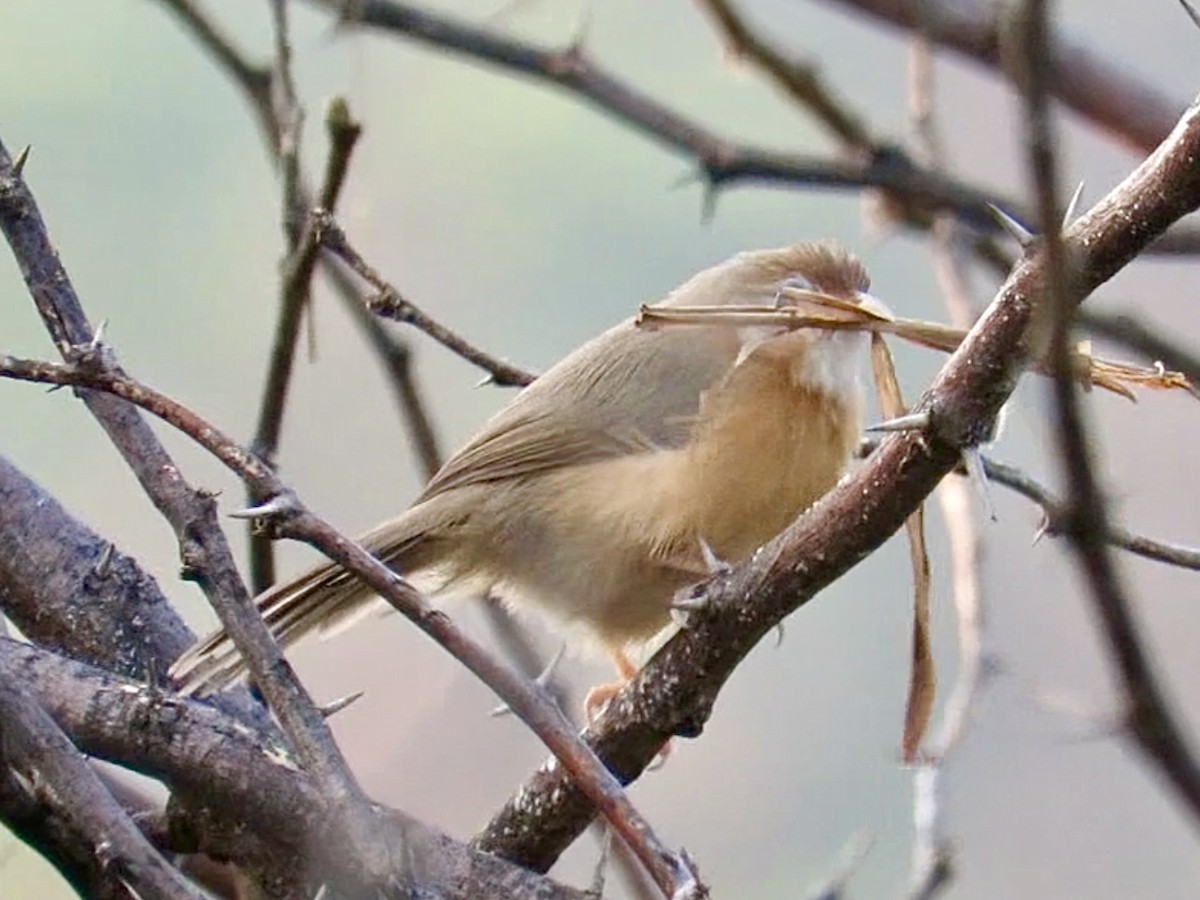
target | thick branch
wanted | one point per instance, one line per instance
(235, 783)
(675, 692)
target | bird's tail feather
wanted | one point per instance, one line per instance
(326, 597)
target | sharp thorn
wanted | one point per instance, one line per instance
(547, 673)
(336, 706)
(1011, 226)
(1042, 530)
(916, 421)
(1072, 209)
(280, 503)
(714, 563)
(973, 462)
(689, 604)
(18, 163)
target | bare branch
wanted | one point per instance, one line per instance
(1133, 111)
(674, 692)
(673, 872)
(1150, 722)
(391, 304)
(233, 783)
(52, 771)
(192, 514)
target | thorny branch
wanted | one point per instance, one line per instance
(674, 873)
(721, 162)
(674, 692)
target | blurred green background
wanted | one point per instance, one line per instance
(529, 221)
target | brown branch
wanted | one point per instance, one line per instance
(933, 849)
(192, 513)
(391, 304)
(68, 589)
(35, 752)
(673, 873)
(295, 294)
(253, 80)
(1111, 98)
(674, 693)
(1056, 512)
(254, 83)
(721, 162)
(802, 82)
(234, 782)
(1148, 719)
(395, 356)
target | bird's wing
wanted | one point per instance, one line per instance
(578, 411)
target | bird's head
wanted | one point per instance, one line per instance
(782, 277)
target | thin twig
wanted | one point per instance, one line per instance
(295, 293)
(391, 304)
(1150, 722)
(933, 850)
(1055, 513)
(254, 81)
(720, 162)
(1109, 96)
(802, 82)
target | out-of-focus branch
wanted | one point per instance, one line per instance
(675, 691)
(1056, 512)
(803, 84)
(933, 849)
(1149, 721)
(799, 81)
(1113, 99)
(239, 795)
(720, 162)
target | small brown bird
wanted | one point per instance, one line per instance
(609, 484)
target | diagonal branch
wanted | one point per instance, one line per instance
(721, 162)
(674, 873)
(1112, 98)
(234, 782)
(675, 692)
(55, 775)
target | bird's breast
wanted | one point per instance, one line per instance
(773, 436)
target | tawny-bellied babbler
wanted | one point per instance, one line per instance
(601, 489)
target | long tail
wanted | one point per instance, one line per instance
(322, 598)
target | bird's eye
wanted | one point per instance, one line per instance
(798, 282)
